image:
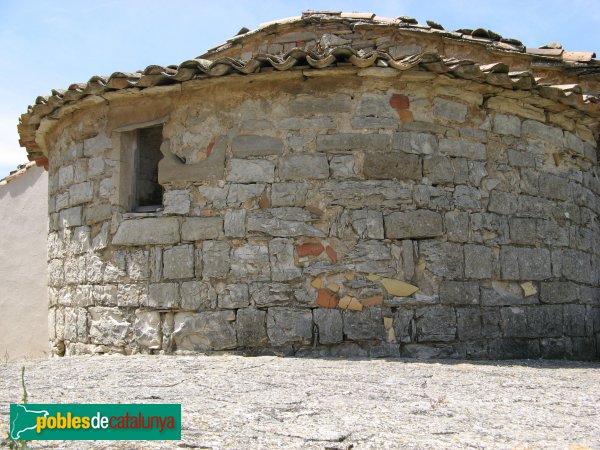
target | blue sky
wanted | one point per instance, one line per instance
(51, 44)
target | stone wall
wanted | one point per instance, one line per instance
(351, 213)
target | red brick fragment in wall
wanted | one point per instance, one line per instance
(401, 103)
(372, 301)
(42, 162)
(405, 115)
(327, 298)
(309, 249)
(314, 210)
(331, 253)
(209, 149)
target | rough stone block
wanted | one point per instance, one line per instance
(309, 105)
(216, 259)
(241, 194)
(438, 170)
(414, 142)
(574, 320)
(520, 159)
(96, 145)
(270, 294)
(343, 166)
(457, 226)
(178, 262)
(251, 261)
(507, 125)
(300, 123)
(449, 110)
(147, 329)
(288, 194)
(444, 259)
(251, 328)
(251, 171)
(466, 197)
(503, 203)
(436, 324)
(163, 295)
(108, 326)
(478, 261)
(392, 165)
(554, 187)
(274, 226)
(129, 295)
(197, 295)
(254, 145)
(234, 296)
(552, 135)
(81, 193)
(352, 141)
(522, 230)
(71, 217)
(463, 149)
(559, 292)
(577, 266)
(235, 223)
(514, 322)
(148, 231)
(330, 325)
(201, 228)
(281, 256)
(413, 224)
(368, 223)
(459, 292)
(364, 325)
(521, 263)
(468, 323)
(289, 326)
(177, 201)
(204, 331)
(66, 175)
(544, 320)
(303, 167)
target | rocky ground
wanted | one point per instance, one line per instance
(272, 402)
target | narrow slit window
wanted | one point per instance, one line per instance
(148, 192)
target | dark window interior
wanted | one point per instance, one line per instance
(148, 193)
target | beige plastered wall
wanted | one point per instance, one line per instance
(23, 285)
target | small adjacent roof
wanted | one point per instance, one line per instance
(331, 51)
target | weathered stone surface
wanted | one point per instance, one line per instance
(163, 295)
(96, 145)
(303, 167)
(234, 296)
(333, 103)
(549, 134)
(352, 141)
(289, 326)
(343, 166)
(131, 295)
(507, 125)
(281, 256)
(478, 261)
(459, 292)
(204, 331)
(503, 202)
(449, 110)
(364, 325)
(457, 226)
(468, 323)
(251, 171)
(413, 142)
(436, 324)
(146, 329)
(350, 193)
(368, 223)
(270, 294)
(521, 263)
(554, 187)
(299, 123)
(81, 193)
(445, 259)
(413, 224)
(559, 292)
(178, 262)
(281, 228)
(108, 326)
(235, 223)
(177, 201)
(71, 217)
(330, 325)
(464, 149)
(251, 261)
(254, 145)
(392, 165)
(288, 194)
(196, 295)
(200, 228)
(215, 258)
(251, 326)
(147, 231)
